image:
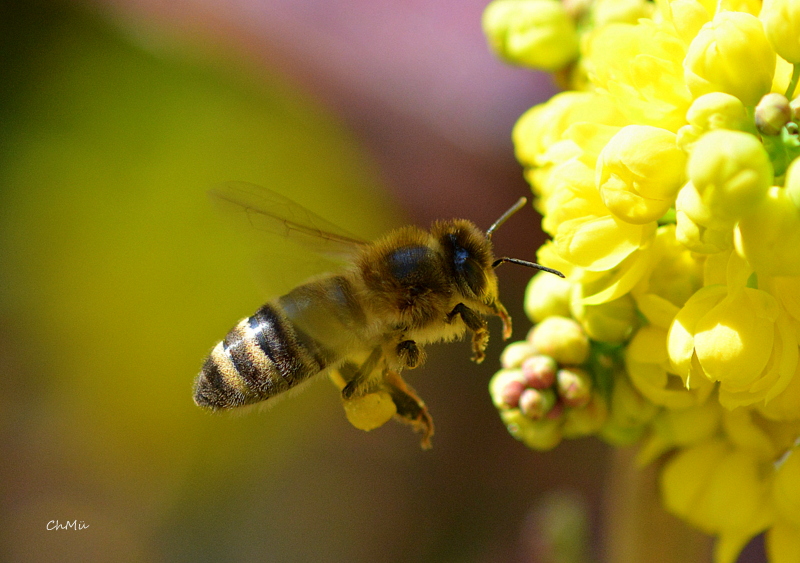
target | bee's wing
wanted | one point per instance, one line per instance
(268, 211)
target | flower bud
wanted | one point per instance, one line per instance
(574, 387)
(515, 354)
(731, 172)
(535, 33)
(547, 296)
(716, 110)
(541, 435)
(794, 105)
(639, 172)
(539, 371)
(586, 420)
(506, 387)
(781, 19)
(772, 113)
(369, 411)
(562, 339)
(536, 403)
(730, 54)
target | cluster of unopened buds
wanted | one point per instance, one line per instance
(542, 391)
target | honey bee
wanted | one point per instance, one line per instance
(367, 322)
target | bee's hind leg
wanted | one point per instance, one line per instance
(410, 408)
(356, 385)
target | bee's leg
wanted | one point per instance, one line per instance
(410, 408)
(501, 312)
(355, 386)
(477, 324)
(410, 354)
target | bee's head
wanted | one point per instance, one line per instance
(468, 257)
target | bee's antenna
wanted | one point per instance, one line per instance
(514, 208)
(499, 261)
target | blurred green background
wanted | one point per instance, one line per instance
(118, 276)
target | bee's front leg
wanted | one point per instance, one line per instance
(410, 408)
(477, 324)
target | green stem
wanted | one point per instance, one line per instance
(793, 82)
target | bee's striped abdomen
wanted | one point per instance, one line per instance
(262, 356)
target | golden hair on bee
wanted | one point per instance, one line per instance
(364, 325)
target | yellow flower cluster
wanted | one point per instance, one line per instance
(668, 177)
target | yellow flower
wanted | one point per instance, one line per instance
(730, 174)
(731, 54)
(737, 336)
(640, 68)
(585, 232)
(555, 132)
(673, 203)
(721, 490)
(535, 33)
(674, 275)
(786, 404)
(783, 538)
(639, 173)
(781, 19)
(769, 237)
(648, 366)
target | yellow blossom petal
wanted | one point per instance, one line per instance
(680, 340)
(733, 340)
(619, 280)
(783, 543)
(786, 487)
(675, 274)
(786, 404)
(720, 490)
(769, 237)
(647, 362)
